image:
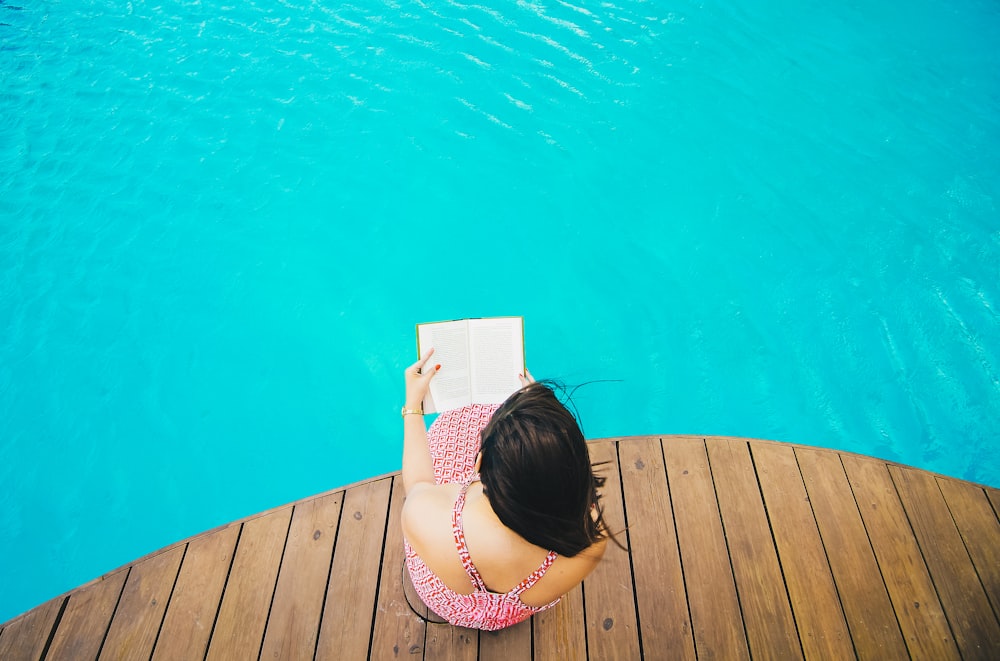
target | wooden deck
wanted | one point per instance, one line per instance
(739, 549)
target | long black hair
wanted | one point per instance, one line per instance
(537, 475)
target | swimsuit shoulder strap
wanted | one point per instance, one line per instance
(459, 533)
(536, 575)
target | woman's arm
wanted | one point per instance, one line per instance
(417, 464)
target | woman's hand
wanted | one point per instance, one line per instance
(417, 464)
(418, 381)
(526, 378)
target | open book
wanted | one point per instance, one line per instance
(480, 361)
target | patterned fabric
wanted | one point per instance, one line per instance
(454, 443)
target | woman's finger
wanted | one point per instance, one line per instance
(425, 375)
(418, 366)
(526, 378)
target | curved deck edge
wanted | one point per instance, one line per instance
(779, 477)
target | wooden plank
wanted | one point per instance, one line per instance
(980, 530)
(239, 629)
(345, 632)
(506, 644)
(664, 620)
(398, 632)
(612, 632)
(708, 576)
(86, 619)
(866, 603)
(305, 568)
(965, 603)
(24, 639)
(994, 496)
(559, 633)
(813, 593)
(767, 613)
(448, 643)
(197, 595)
(907, 580)
(142, 606)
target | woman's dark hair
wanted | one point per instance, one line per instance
(537, 475)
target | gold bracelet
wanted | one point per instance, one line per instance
(407, 412)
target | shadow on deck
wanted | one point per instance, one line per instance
(738, 549)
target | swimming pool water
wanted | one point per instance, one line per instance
(219, 223)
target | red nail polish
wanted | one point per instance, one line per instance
(437, 367)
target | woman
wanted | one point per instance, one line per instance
(501, 515)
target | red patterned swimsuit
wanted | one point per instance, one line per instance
(454, 443)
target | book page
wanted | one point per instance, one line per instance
(496, 348)
(450, 387)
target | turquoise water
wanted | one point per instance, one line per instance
(219, 223)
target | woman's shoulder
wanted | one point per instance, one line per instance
(427, 528)
(427, 508)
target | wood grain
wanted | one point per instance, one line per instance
(559, 632)
(398, 632)
(818, 614)
(665, 625)
(142, 606)
(914, 599)
(866, 603)
(305, 568)
(711, 589)
(966, 605)
(977, 523)
(25, 638)
(197, 594)
(239, 629)
(767, 613)
(86, 619)
(612, 632)
(345, 632)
